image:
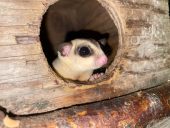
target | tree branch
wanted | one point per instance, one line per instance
(134, 110)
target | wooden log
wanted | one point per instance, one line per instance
(27, 83)
(136, 110)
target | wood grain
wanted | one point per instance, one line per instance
(27, 83)
(138, 109)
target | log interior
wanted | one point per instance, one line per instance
(66, 20)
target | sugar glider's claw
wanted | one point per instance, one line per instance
(95, 76)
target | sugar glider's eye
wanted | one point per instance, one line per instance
(84, 51)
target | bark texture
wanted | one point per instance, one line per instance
(138, 110)
(27, 83)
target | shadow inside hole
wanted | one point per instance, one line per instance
(62, 24)
(45, 42)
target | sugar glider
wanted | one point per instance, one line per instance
(77, 59)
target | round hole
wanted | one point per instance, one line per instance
(66, 20)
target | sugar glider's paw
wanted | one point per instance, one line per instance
(95, 76)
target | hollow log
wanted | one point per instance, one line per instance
(136, 110)
(27, 83)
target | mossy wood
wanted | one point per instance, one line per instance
(27, 83)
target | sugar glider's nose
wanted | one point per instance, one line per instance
(101, 60)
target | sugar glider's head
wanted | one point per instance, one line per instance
(82, 54)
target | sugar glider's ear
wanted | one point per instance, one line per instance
(64, 49)
(103, 41)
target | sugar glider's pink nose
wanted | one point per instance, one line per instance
(101, 60)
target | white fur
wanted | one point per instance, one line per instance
(75, 67)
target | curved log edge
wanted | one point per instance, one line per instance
(135, 110)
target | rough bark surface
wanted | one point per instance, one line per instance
(164, 123)
(28, 85)
(136, 110)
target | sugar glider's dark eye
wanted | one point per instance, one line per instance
(84, 51)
